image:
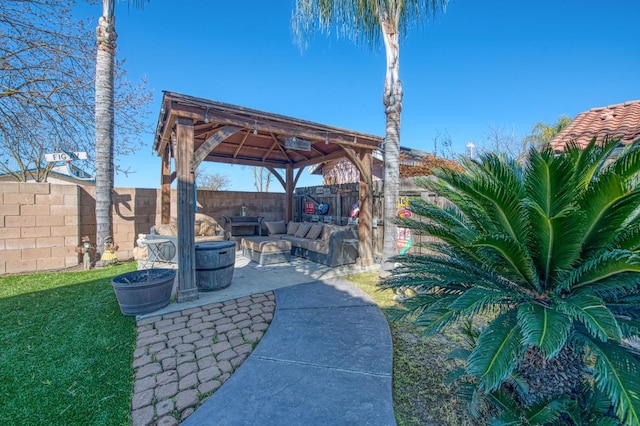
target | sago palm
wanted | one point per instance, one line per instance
(550, 252)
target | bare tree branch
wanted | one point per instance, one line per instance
(47, 74)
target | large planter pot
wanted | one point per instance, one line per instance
(143, 291)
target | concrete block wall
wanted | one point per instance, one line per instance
(134, 212)
(269, 205)
(39, 227)
(41, 224)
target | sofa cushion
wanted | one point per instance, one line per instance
(303, 229)
(314, 232)
(277, 227)
(326, 232)
(266, 244)
(166, 229)
(295, 241)
(205, 225)
(292, 228)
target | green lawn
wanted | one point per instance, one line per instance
(421, 395)
(65, 349)
(66, 354)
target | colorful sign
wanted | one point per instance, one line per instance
(405, 213)
(405, 240)
(309, 207)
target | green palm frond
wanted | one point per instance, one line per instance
(546, 413)
(590, 160)
(509, 413)
(543, 327)
(617, 375)
(627, 163)
(628, 238)
(628, 328)
(447, 269)
(591, 311)
(592, 407)
(608, 209)
(456, 374)
(494, 187)
(496, 352)
(548, 183)
(616, 286)
(437, 316)
(552, 201)
(478, 300)
(515, 255)
(611, 264)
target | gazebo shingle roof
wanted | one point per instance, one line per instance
(616, 121)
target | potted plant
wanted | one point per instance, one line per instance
(143, 291)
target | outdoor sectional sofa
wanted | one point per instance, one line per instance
(322, 243)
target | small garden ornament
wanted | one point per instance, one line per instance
(85, 248)
(110, 249)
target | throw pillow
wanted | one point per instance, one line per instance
(278, 227)
(292, 228)
(314, 232)
(326, 232)
(302, 230)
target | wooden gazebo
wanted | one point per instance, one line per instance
(192, 130)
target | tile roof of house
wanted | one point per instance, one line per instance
(617, 121)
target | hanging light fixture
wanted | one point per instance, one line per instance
(206, 116)
(255, 127)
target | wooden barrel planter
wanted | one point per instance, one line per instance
(144, 291)
(214, 264)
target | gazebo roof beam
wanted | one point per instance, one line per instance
(244, 139)
(328, 157)
(301, 129)
(271, 148)
(246, 162)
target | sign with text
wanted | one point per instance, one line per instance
(65, 156)
(299, 144)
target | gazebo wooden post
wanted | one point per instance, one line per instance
(365, 231)
(187, 289)
(165, 186)
(288, 213)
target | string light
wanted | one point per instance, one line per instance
(206, 116)
(255, 127)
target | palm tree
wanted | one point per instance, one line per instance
(550, 253)
(542, 133)
(104, 120)
(365, 21)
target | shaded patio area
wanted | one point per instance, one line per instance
(192, 130)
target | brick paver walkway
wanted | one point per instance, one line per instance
(181, 358)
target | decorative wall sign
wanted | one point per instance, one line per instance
(295, 143)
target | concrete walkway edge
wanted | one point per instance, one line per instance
(326, 359)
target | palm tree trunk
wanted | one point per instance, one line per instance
(104, 122)
(392, 99)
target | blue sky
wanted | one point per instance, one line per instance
(501, 64)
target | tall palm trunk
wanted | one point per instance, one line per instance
(104, 122)
(392, 99)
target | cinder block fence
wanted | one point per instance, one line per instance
(41, 224)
